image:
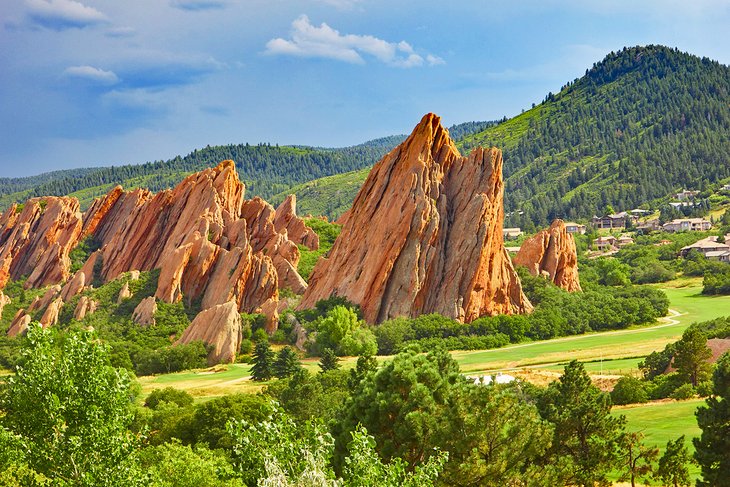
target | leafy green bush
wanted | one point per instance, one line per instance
(686, 391)
(342, 331)
(168, 394)
(629, 390)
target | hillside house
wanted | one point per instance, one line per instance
(605, 244)
(624, 240)
(616, 220)
(511, 233)
(652, 225)
(709, 247)
(687, 225)
(685, 195)
(725, 187)
(572, 227)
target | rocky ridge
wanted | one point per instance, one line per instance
(552, 253)
(424, 235)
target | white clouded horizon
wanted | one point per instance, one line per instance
(63, 14)
(91, 73)
(310, 41)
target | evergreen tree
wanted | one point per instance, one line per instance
(263, 361)
(287, 363)
(586, 434)
(673, 466)
(636, 459)
(691, 355)
(365, 365)
(329, 360)
(712, 448)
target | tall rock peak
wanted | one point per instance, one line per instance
(552, 253)
(424, 235)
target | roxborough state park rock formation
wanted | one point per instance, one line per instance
(210, 244)
(424, 235)
(552, 253)
(220, 328)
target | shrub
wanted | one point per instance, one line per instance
(629, 390)
(168, 394)
(682, 392)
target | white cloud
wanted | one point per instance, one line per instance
(63, 14)
(92, 74)
(308, 40)
(121, 32)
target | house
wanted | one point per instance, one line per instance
(652, 225)
(509, 233)
(683, 204)
(513, 249)
(616, 220)
(685, 195)
(725, 188)
(624, 240)
(486, 380)
(662, 243)
(687, 225)
(639, 212)
(709, 247)
(605, 244)
(572, 227)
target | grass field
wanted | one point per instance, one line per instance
(619, 350)
(664, 421)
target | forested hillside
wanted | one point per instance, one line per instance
(640, 124)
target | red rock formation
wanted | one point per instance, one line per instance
(20, 324)
(218, 327)
(286, 219)
(144, 313)
(50, 316)
(4, 300)
(86, 307)
(43, 302)
(37, 241)
(424, 235)
(74, 286)
(553, 253)
(124, 293)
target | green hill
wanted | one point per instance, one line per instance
(640, 124)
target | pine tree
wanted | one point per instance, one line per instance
(673, 466)
(712, 448)
(287, 363)
(329, 360)
(691, 354)
(637, 459)
(263, 362)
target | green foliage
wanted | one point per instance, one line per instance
(691, 355)
(70, 410)
(171, 359)
(629, 390)
(641, 124)
(673, 468)
(286, 363)
(683, 392)
(657, 362)
(306, 396)
(328, 233)
(716, 282)
(280, 447)
(402, 405)
(341, 330)
(170, 395)
(585, 432)
(636, 459)
(712, 448)
(176, 465)
(328, 361)
(80, 254)
(263, 362)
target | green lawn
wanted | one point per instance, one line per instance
(664, 421)
(609, 346)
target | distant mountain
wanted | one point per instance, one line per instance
(640, 124)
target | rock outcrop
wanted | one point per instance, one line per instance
(209, 243)
(286, 219)
(144, 313)
(50, 316)
(424, 235)
(35, 241)
(552, 253)
(4, 300)
(220, 328)
(42, 303)
(74, 286)
(20, 323)
(124, 293)
(85, 307)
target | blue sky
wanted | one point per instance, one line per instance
(102, 82)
